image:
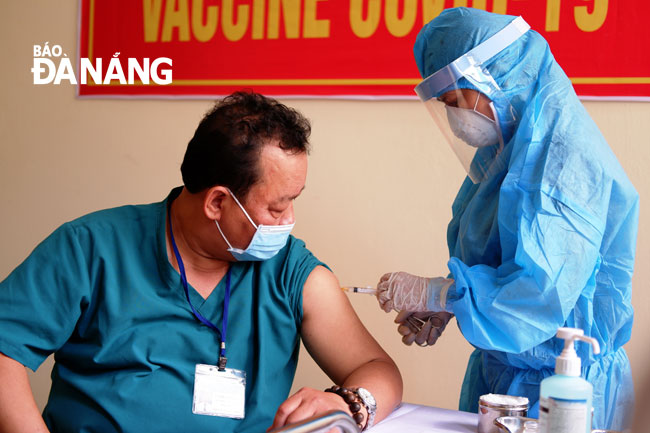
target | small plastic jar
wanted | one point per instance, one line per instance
(492, 406)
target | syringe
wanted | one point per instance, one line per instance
(368, 289)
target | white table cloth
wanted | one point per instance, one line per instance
(413, 418)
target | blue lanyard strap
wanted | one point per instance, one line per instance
(202, 319)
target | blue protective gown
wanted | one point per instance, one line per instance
(547, 239)
(101, 295)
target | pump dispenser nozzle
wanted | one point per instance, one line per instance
(568, 363)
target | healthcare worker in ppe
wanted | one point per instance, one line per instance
(544, 227)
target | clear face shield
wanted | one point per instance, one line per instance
(473, 114)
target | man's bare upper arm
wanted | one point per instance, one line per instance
(332, 331)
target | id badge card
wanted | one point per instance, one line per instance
(219, 393)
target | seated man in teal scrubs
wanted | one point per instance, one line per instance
(186, 315)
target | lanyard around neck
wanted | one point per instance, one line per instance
(202, 319)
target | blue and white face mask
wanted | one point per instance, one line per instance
(473, 127)
(266, 243)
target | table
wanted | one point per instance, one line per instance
(413, 418)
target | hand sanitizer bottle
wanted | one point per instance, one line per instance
(565, 398)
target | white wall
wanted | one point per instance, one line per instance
(378, 194)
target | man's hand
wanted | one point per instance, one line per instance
(306, 403)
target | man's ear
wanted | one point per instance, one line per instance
(213, 202)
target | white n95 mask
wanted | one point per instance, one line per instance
(266, 243)
(472, 127)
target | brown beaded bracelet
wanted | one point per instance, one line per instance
(354, 402)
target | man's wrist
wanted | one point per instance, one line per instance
(354, 402)
(370, 404)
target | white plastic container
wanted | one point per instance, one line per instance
(565, 399)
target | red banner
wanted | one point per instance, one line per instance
(351, 48)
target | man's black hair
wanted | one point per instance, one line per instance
(227, 143)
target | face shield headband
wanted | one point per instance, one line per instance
(467, 72)
(467, 64)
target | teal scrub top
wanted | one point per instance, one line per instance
(101, 295)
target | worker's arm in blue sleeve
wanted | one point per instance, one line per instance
(550, 255)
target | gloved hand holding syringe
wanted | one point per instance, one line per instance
(423, 328)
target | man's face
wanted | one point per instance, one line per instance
(269, 201)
